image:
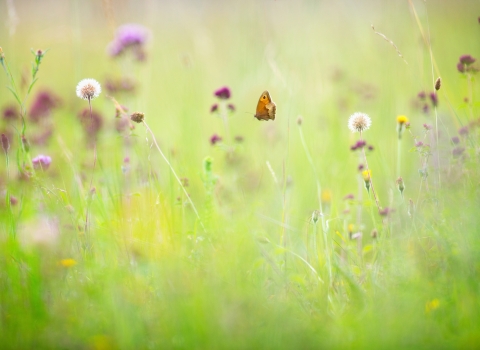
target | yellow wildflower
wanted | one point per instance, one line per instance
(367, 175)
(326, 196)
(432, 305)
(402, 119)
(350, 228)
(68, 262)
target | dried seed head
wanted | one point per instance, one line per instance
(137, 117)
(374, 233)
(400, 185)
(438, 83)
(88, 89)
(359, 122)
(299, 120)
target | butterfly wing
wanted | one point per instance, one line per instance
(266, 108)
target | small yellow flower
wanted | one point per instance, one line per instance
(402, 119)
(350, 228)
(432, 305)
(68, 262)
(367, 175)
(326, 196)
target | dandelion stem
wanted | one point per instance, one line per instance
(94, 164)
(174, 174)
(368, 170)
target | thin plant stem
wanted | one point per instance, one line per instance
(369, 173)
(175, 175)
(319, 195)
(399, 156)
(94, 164)
(428, 42)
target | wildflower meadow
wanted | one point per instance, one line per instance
(263, 174)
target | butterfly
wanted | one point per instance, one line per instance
(266, 108)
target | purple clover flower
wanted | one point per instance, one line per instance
(223, 93)
(41, 162)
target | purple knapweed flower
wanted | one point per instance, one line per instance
(43, 103)
(358, 145)
(10, 113)
(41, 162)
(461, 67)
(463, 130)
(434, 98)
(466, 59)
(223, 93)
(349, 197)
(455, 140)
(231, 107)
(215, 139)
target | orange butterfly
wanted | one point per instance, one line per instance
(266, 108)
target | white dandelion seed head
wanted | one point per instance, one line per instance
(88, 89)
(359, 122)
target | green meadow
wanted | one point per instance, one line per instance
(154, 211)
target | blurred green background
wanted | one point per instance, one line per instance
(145, 274)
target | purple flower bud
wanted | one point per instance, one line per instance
(463, 130)
(231, 107)
(427, 127)
(419, 144)
(421, 95)
(455, 140)
(434, 99)
(10, 113)
(215, 139)
(461, 67)
(214, 108)
(5, 143)
(349, 197)
(223, 93)
(385, 211)
(41, 162)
